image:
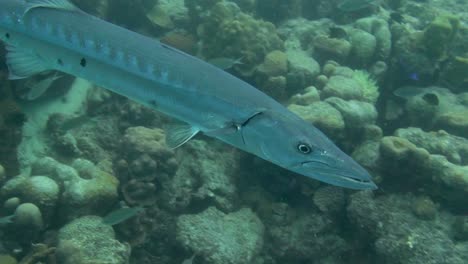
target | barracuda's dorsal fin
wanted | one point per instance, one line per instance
(56, 4)
(22, 63)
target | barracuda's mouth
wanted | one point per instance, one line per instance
(354, 177)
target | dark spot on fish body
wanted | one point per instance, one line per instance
(83, 62)
(60, 62)
(153, 103)
(7, 35)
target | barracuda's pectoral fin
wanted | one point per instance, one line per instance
(22, 63)
(57, 4)
(177, 135)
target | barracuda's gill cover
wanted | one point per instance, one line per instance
(55, 35)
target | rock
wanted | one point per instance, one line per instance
(424, 208)
(168, 14)
(274, 64)
(355, 114)
(203, 175)
(367, 154)
(309, 96)
(332, 48)
(381, 218)
(363, 46)
(11, 204)
(29, 216)
(380, 30)
(329, 199)
(383, 35)
(322, 115)
(40, 190)
(343, 87)
(454, 148)
(234, 238)
(275, 87)
(87, 240)
(303, 70)
(145, 150)
(306, 236)
(404, 161)
(141, 140)
(85, 188)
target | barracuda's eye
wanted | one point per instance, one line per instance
(304, 148)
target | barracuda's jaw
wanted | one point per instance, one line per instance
(338, 170)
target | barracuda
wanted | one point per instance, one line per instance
(55, 35)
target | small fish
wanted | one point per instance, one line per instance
(6, 219)
(414, 76)
(355, 5)
(408, 92)
(189, 260)
(38, 88)
(225, 63)
(120, 215)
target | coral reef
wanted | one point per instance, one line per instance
(78, 240)
(306, 236)
(85, 189)
(439, 33)
(228, 32)
(43, 191)
(437, 108)
(222, 238)
(381, 217)
(385, 81)
(202, 177)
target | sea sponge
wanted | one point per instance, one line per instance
(455, 73)
(439, 34)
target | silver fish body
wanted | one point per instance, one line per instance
(55, 35)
